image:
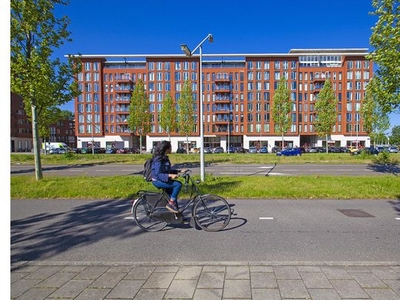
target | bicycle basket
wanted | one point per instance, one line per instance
(155, 199)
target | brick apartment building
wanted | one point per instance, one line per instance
(238, 93)
(21, 129)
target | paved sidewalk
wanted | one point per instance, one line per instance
(206, 281)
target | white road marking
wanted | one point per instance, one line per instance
(128, 218)
(398, 219)
(266, 218)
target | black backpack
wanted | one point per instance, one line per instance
(147, 169)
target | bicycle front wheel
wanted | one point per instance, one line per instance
(141, 211)
(212, 213)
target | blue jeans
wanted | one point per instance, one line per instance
(172, 187)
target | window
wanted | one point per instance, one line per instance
(277, 65)
(266, 65)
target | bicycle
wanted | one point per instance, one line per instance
(209, 212)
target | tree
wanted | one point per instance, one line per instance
(325, 107)
(395, 137)
(168, 116)
(375, 121)
(281, 109)
(385, 40)
(41, 81)
(140, 116)
(186, 112)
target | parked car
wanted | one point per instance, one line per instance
(370, 150)
(252, 150)
(230, 150)
(207, 150)
(111, 151)
(263, 150)
(393, 149)
(289, 152)
(181, 150)
(334, 150)
(275, 149)
(122, 151)
(313, 150)
(241, 150)
(218, 150)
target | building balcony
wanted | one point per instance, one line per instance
(222, 100)
(222, 89)
(125, 78)
(222, 77)
(221, 121)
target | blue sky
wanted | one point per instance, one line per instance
(257, 26)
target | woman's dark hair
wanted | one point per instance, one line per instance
(161, 148)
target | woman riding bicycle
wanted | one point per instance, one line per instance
(162, 175)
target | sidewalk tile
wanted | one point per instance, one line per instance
(237, 272)
(107, 280)
(21, 286)
(140, 273)
(211, 280)
(335, 273)
(167, 269)
(180, 289)
(286, 272)
(316, 281)
(36, 293)
(90, 294)
(150, 294)
(209, 294)
(262, 269)
(290, 288)
(369, 280)
(382, 294)
(263, 280)
(71, 289)
(310, 269)
(91, 272)
(265, 294)
(188, 272)
(385, 273)
(214, 269)
(126, 289)
(324, 294)
(57, 280)
(159, 281)
(43, 272)
(349, 289)
(394, 285)
(237, 289)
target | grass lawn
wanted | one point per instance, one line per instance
(257, 187)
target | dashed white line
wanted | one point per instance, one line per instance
(266, 218)
(128, 218)
(398, 219)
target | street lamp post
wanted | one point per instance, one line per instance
(189, 53)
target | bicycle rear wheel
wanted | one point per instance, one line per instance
(141, 211)
(212, 213)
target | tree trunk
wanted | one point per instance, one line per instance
(36, 148)
(187, 144)
(326, 146)
(140, 144)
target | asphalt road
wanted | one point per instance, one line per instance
(215, 169)
(261, 230)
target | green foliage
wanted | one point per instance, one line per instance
(140, 116)
(385, 40)
(168, 115)
(385, 158)
(43, 82)
(395, 137)
(281, 108)
(186, 110)
(325, 107)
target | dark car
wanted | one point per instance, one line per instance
(181, 150)
(263, 150)
(207, 150)
(218, 150)
(122, 151)
(370, 150)
(240, 150)
(275, 149)
(289, 152)
(230, 150)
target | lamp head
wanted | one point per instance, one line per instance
(210, 38)
(186, 50)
